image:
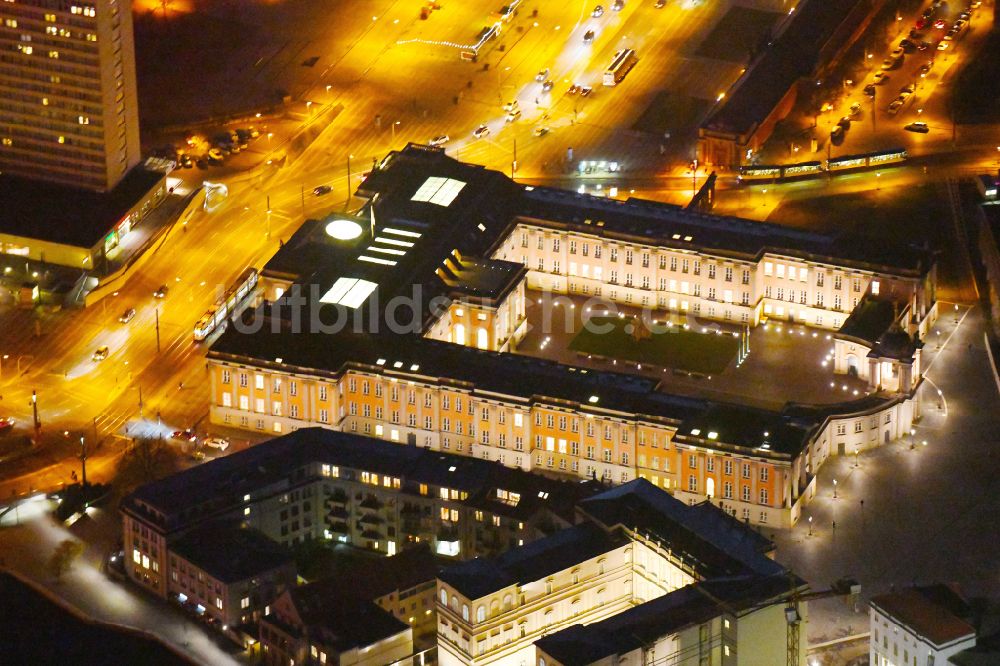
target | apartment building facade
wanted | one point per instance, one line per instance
(68, 108)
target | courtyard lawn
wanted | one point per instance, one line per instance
(675, 347)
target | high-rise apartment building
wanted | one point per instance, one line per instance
(68, 108)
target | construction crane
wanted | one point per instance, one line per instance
(844, 587)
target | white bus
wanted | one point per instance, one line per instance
(623, 63)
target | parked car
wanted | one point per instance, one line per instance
(127, 316)
(908, 89)
(895, 106)
(573, 89)
(919, 127)
(6, 423)
(845, 122)
(187, 435)
(940, 24)
(880, 78)
(837, 133)
(321, 190)
(586, 90)
(942, 45)
(100, 354)
(660, 4)
(926, 67)
(216, 443)
(907, 45)
(161, 291)
(481, 131)
(511, 105)
(869, 90)
(215, 154)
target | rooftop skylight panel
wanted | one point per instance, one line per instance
(349, 292)
(376, 260)
(393, 241)
(437, 190)
(337, 291)
(400, 232)
(386, 250)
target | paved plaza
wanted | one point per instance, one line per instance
(912, 512)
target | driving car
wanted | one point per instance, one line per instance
(161, 291)
(660, 4)
(547, 86)
(542, 75)
(588, 37)
(127, 316)
(940, 24)
(540, 131)
(439, 140)
(6, 423)
(918, 127)
(888, 63)
(216, 443)
(509, 106)
(598, 11)
(907, 45)
(573, 89)
(943, 45)
(186, 434)
(481, 131)
(100, 354)
(321, 190)
(923, 46)
(586, 90)
(897, 52)
(513, 115)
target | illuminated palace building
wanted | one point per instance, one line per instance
(404, 323)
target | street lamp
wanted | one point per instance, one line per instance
(835, 489)
(810, 525)
(394, 131)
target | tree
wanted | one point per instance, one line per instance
(63, 557)
(149, 459)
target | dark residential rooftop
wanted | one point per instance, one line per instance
(792, 55)
(230, 553)
(711, 542)
(199, 493)
(928, 612)
(61, 214)
(405, 570)
(715, 543)
(342, 621)
(533, 561)
(642, 625)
